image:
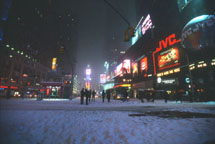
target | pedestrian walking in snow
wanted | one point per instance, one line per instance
(108, 95)
(93, 95)
(103, 96)
(90, 93)
(166, 96)
(87, 95)
(125, 96)
(82, 95)
(153, 96)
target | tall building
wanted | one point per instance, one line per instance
(39, 31)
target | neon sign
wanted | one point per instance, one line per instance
(168, 58)
(147, 23)
(169, 41)
(144, 65)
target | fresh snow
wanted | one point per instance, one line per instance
(66, 121)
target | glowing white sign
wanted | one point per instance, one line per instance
(88, 71)
(147, 23)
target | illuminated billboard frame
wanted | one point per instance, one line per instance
(169, 41)
(144, 64)
(102, 78)
(168, 58)
(123, 68)
(135, 69)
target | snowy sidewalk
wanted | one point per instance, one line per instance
(60, 124)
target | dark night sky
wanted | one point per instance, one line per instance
(93, 35)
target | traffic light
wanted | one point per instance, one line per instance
(127, 35)
(61, 50)
(131, 31)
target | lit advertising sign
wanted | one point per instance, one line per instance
(168, 58)
(54, 61)
(88, 71)
(118, 70)
(168, 41)
(102, 78)
(144, 64)
(147, 23)
(126, 65)
(135, 69)
(123, 68)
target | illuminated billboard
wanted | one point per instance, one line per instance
(144, 64)
(147, 23)
(102, 78)
(88, 71)
(118, 70)
(126, 65)
(123, 68)
(54, 63)
(168, 58)
(134, 69)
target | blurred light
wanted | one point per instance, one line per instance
(12, 49)
(18, 52)
(11, 56)
(26, 56)
(21, 53)
(8, 46)
(159, 80)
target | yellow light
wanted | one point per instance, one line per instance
(177, 70)
(166, 73)
(171, 71)
(204, 65)
(54, 61)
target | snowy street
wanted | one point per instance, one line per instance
(66, 121)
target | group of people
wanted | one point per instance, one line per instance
(107, 94)
(89, 95)
(150, 96)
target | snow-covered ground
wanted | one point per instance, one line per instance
(66, 121)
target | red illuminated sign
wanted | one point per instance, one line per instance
(168, 58)
(3, 86)
(12, 87)
(169, 41)
(144, 65)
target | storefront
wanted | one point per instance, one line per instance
(52, 89)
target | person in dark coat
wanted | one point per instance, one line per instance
(166, 96)
(153, 96)
(87, 95)
(90, 93)
(125, 95)
(108, 95)
(82, 95)
(93, 95)
(103, 96)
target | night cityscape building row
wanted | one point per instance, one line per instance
(172, 50)
(31, 38)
